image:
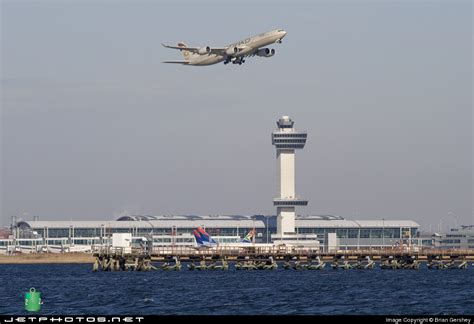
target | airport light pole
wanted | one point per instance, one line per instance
(253, 230)
(358, 235)
(174, 231)
(383, 233)
(102, 234)
(358, 239)
(267, 227)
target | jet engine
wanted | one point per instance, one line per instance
(204, 50)
(231, 51)
(266, 52)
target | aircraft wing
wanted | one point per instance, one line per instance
(214, 50)
(177, 62)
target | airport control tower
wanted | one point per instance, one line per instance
(286, 139)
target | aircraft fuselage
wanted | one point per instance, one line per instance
(248, 46)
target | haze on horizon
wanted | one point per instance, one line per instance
(93, 124)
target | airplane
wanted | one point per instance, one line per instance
(204, 240)
(249, 237)
(235, 53)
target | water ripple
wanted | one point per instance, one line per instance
(74, 289)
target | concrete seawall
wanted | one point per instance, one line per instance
(47, 258)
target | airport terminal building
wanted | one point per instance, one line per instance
(176, 230)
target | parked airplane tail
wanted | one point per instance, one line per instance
(249, 237)
(186, 53)
(198, 238)
(203, 238)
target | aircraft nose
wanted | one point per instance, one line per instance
(284, 34)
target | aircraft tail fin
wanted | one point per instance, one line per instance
(198, 238)
(249, 237)
(203, 238)
(186, 53)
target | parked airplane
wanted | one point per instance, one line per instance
(249, 237)
(234, 53)
(203, 239)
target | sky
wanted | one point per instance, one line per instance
(94, 125)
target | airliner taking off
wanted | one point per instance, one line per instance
(234, 53)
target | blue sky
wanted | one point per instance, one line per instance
(94, 124)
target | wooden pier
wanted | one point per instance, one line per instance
(174, 259)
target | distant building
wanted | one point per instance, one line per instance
(428, 240)
(458, 238)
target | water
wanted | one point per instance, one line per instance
(75, 290)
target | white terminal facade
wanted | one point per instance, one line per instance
(286, 140)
